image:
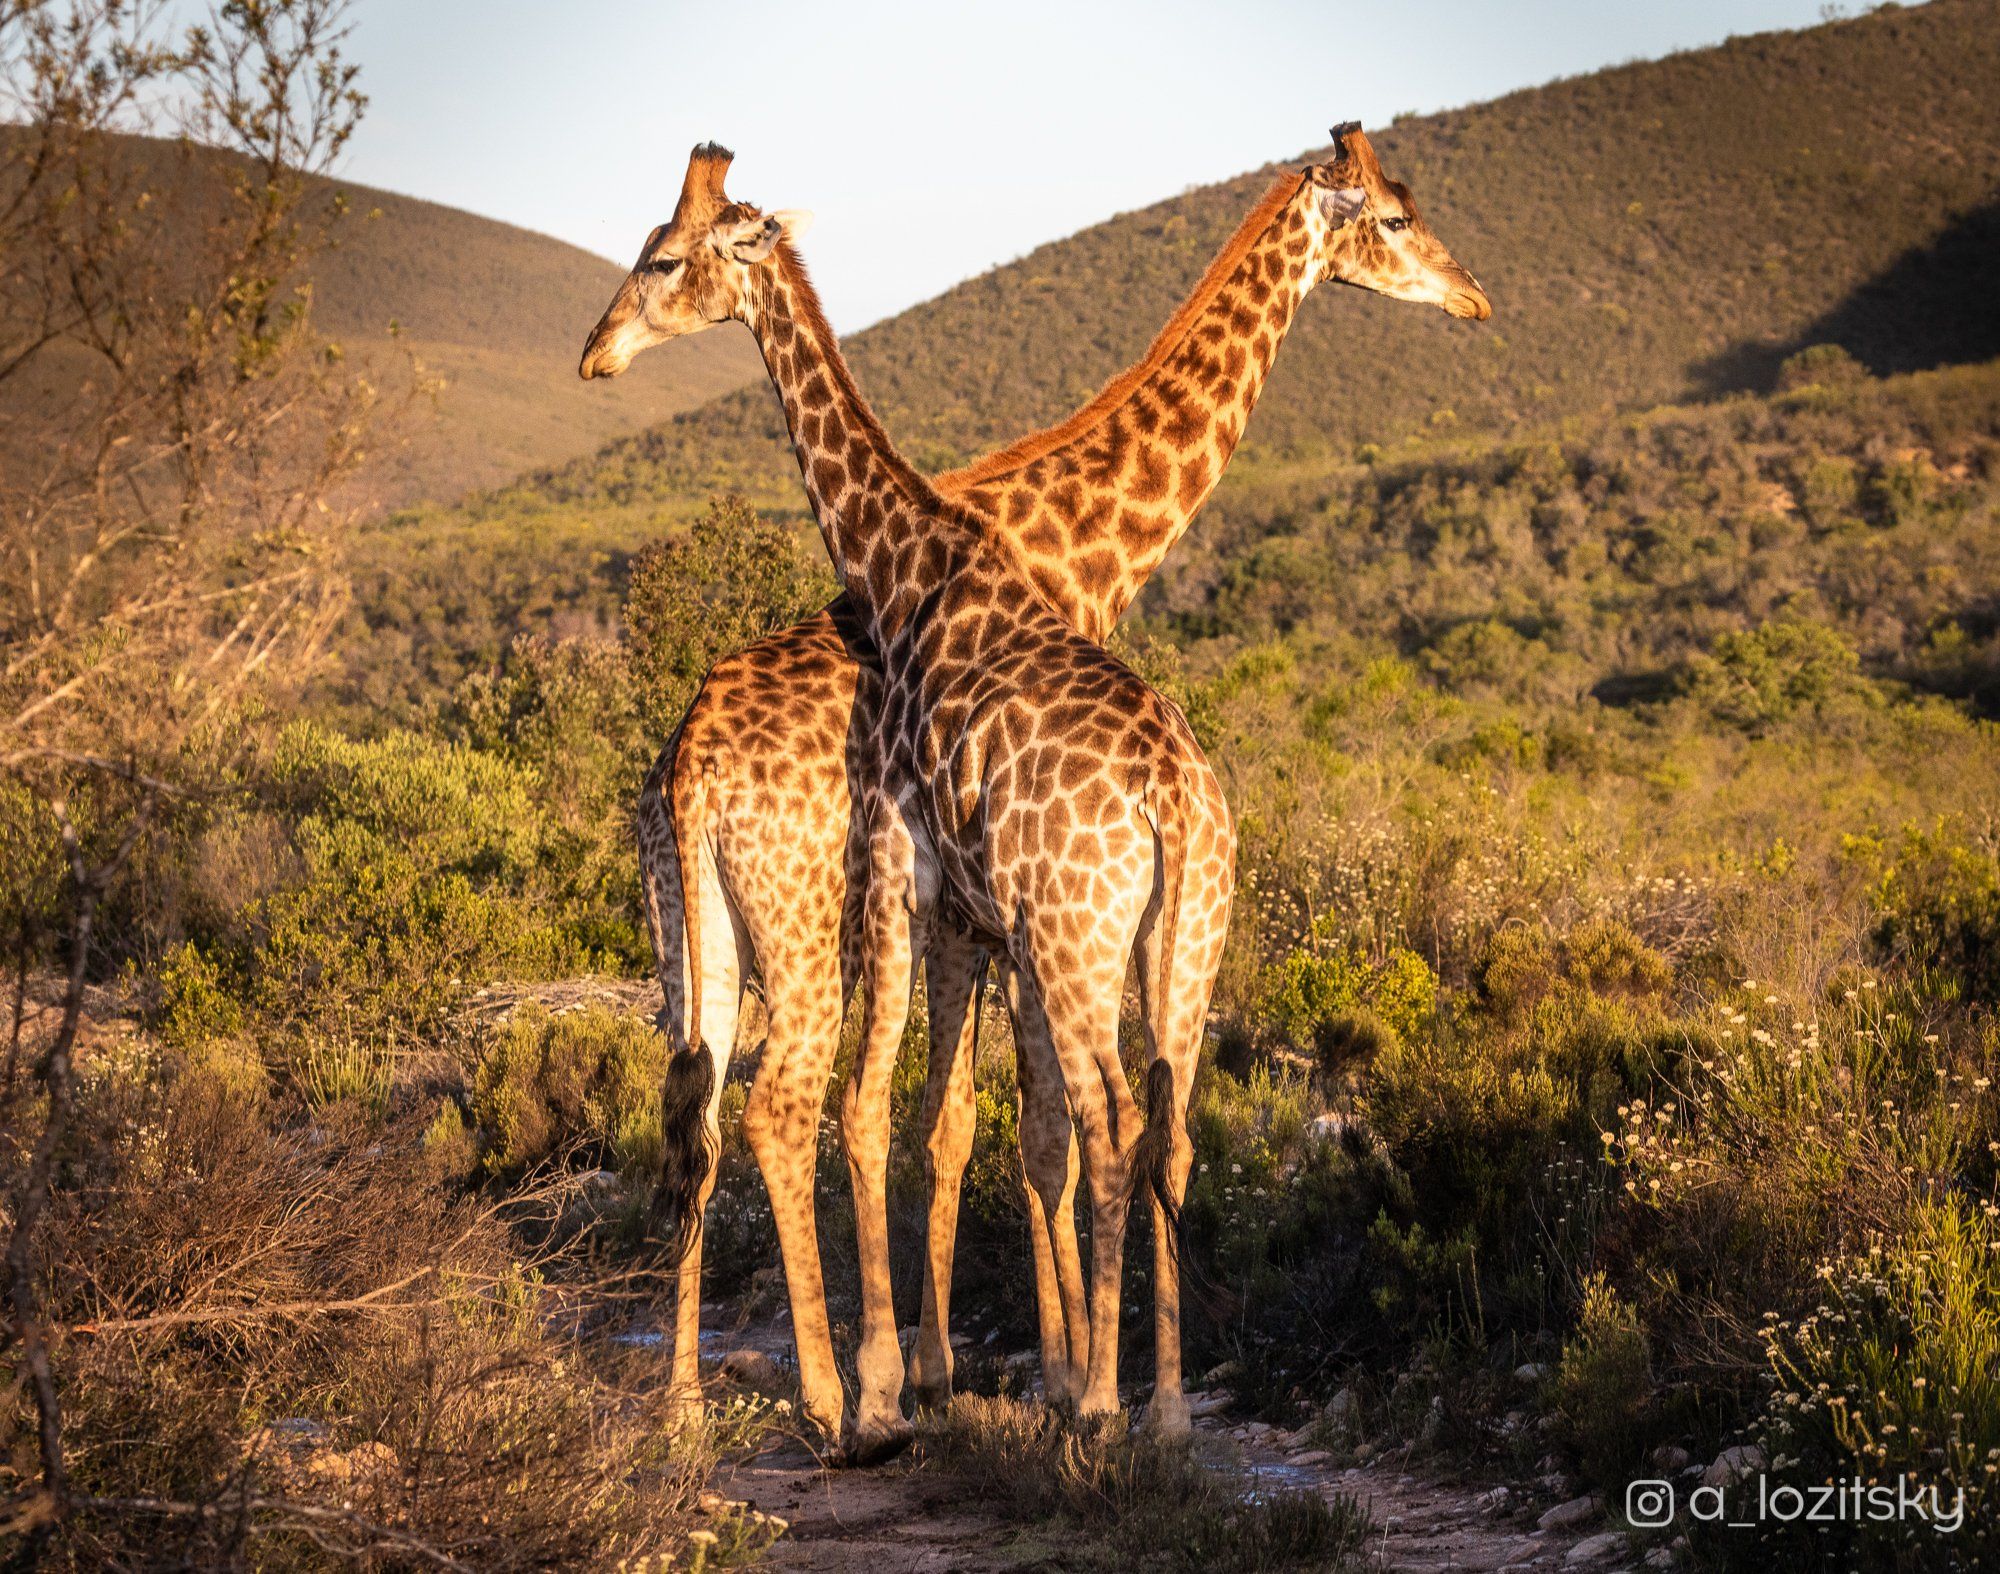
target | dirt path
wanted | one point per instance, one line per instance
(890, 1520)
(897, 1520)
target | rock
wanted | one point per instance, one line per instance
(1328, 1127)
(290, 1432)
(1577, 1511)
(1343, 1409)
(1258, 1431)
(1498, 1501)
(1204, 1405)
(1531, 1372)
(1432, 1431)
(1364, 1453)
(1309, 1457)
(355, 1464)
(1661, 1558)
(603, 1180)
(1222, 1373)
(752, 1368)
(1595, 1549)
(1733, 1464)
(1667, 1459)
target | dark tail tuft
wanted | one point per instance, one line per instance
(1152, 1159)
(686, 1153)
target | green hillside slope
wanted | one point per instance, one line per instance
(1660, 231)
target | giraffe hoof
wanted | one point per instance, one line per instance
(1167, 1420)
(874, 1442)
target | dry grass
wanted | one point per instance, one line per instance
(287, 1337)
(1131, 1500)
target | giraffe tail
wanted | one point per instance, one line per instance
(1153, 1157)
(687, 1151)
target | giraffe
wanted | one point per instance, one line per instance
(778, 714)
(1019, 773)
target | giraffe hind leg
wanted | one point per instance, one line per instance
(954, 968)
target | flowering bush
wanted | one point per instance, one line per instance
(1894, 1376)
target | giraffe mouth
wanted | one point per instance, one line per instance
(601, 359)
(1471, 304)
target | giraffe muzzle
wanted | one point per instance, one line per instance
(1469, 301)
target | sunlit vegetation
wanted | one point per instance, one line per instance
(1603, 1063)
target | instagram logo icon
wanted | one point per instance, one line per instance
(1649, 1505)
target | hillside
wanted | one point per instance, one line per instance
(1663, 231)
(498, 313)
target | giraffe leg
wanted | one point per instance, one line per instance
(895, 929)
(1050, 1169)
(1174, 1029)
(781, 1123)
(1081, 1008)
(953, 970)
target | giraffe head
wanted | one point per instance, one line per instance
(1374, 237)
(694, 270)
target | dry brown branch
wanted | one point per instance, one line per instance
(380, 1538)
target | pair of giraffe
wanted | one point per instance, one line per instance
(944, 766)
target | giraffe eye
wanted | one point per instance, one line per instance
(663, 266)
(1395, 226)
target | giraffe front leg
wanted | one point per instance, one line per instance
(953, 970)
(894, 930)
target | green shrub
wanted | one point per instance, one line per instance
(1603, 1385)
(732, 577)
(375, 939)
(197, 1003)
(1937, 906)
(1524, 965)
(583, 1081)
(1322, 982)
(1895, 1373)
(451, 806)
(1766, 676)
(1822, 366)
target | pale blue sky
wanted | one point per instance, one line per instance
(933, 141)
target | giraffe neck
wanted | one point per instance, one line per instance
(1093, 506)
(890, 535)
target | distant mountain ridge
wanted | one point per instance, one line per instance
(1652, 232)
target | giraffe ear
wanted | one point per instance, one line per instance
(1341, 203)
(752, 240)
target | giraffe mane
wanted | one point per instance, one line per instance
(806, 307)
(1025, 450)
